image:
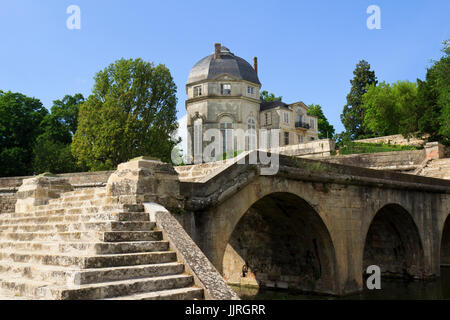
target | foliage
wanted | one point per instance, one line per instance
(20, 118)
(53, 156)
(52, 152)
(360, 147)
(391, 109)
(353, 114)
(131, 112)
(434, 99)
(229, 155)
(326, 130)
(269, 97)
(66, 111)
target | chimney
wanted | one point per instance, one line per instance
(255, 64)
(217, 49)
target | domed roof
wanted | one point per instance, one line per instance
(210, 67)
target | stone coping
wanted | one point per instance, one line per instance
(237, 176)
(205, 274)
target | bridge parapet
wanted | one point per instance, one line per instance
(235, 176)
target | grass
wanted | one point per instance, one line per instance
(228, 155)
(359, 147)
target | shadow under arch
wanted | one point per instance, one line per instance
(282, 242)
(393, 243)
(445, 244)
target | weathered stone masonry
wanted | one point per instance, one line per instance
(332, 219)
(313, 226)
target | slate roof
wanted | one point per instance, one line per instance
(211, 68)
(266, 105)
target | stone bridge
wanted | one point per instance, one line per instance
(316, 226)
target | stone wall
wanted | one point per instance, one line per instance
(396, 139)
(7, 202)
(396, 160)
(10, 185)
(312, 149)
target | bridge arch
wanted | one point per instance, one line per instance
(392, 241)
(280, 240)
(444, 251)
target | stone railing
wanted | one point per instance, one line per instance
(205, 274)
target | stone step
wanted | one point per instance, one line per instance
(42, 211)
(68, 276)
(190, 293)
(78, 198)
(86, 247)
(108, 236)
(45, 290)
(97, 261)
(86, 226)
(68, 211)
(61, 218)
(76, 205)
(85, 191)
(100, 275)
(125, 236)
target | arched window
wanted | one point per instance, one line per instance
(226, 134)
(198, 140)
(251, 134)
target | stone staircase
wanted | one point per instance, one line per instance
(86, 245)
(439, 168)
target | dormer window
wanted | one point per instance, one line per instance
(197, 91)
(225, 89)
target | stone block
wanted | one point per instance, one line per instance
(145, 180)
(434, 150)
(39, 190)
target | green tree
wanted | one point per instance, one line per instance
(20, 119)
(53, 156)
(353, 114)
(52, 151)
(131, 112)
(434, 99)
(66, 111)
(268, 97)
(391, 109)
(326, 130)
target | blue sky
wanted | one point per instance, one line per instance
(307, 50)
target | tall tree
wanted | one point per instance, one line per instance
(434, 99)
(20, 118)
(326, 130)
(268, 97)
(353, 114)
(131, 112)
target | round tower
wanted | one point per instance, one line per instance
(223, 94)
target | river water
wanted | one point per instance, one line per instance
(390, 290)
